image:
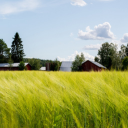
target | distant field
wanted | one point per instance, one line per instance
(63, 100)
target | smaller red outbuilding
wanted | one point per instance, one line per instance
(28, 66)
(92, 66)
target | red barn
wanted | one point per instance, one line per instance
(28, 66)
(13, 67)
(92, 66)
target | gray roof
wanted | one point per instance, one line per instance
(13, 65)
(66, 66)
(96, 63)
(43, 68)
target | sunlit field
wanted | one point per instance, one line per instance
(63, 100)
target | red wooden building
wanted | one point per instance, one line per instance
(92, 66)
(13, 67)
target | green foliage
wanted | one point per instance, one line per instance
(105, 53)
(35, 63)
(17, 50)
(116, 58)
(21, 65)
(55, 65)
(125, 63)
(126, 50)
(43, 62)
(3, 59)
(116, 62)
(63, 100)
(76, 65)
(4, 52)
(122, 52)
(96, 59)
(110, 57)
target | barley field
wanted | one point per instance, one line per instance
(63, 100)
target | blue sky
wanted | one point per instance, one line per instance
(63, 28)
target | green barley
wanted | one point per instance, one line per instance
(63, 100)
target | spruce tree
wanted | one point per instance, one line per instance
(17, 50)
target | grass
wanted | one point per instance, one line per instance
(63, 100)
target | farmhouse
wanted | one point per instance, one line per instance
(66, 66)
(91, 65)
(14, 66)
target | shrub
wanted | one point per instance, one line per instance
(21, 65)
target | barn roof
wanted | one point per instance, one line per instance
(13, 65)
(66, 66)
(96, 63)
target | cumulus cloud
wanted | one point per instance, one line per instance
(18, 6)
(98, 46)
(78, 2)
(72, 57)
(92, 47)
(125, 38)
(100, 32)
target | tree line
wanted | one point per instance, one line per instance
(16, 54)
(109, 56)
(36, 64)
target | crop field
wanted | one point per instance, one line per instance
(63, 100)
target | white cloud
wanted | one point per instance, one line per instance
(125, 38)
(100, 32)
(18, 6)
(78, 2)
(72, 57)
(61, 59)
(98, 46)
(92, 47)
